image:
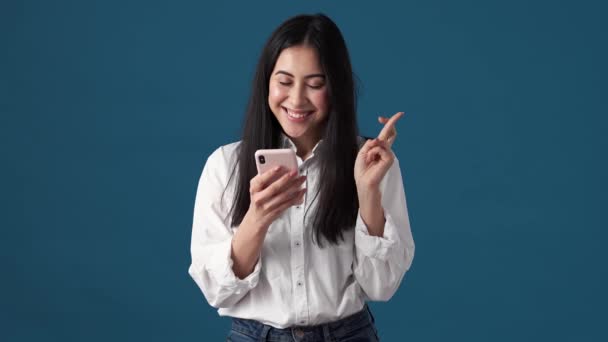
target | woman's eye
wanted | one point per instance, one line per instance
(284, 83)
(319, 86)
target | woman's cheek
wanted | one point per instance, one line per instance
(320, 100)
(276, 94)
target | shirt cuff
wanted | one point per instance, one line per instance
(375, 246)
(222, 269)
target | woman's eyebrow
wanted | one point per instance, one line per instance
(307, 76)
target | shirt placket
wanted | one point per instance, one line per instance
(298, 256)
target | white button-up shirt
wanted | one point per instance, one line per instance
(296, 283)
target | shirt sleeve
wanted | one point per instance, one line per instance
(381, 262)
(211, 245)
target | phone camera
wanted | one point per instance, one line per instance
(261, 159)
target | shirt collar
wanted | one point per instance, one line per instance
(286, 142)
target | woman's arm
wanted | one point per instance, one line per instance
(383, 239)
(226, 262)
(371, 211)
(383, 255)
(268, 201)
(211, 246)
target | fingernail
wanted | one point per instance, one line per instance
(276, 168)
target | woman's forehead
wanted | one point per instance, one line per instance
(298, 61)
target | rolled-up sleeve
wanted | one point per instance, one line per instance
(211, 243)
(381, 262)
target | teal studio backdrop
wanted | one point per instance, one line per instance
(109, 110)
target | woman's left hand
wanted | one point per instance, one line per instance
(376, 157)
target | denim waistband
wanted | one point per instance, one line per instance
(327, 331)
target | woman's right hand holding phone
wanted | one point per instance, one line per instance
(272, 192)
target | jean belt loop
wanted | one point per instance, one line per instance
(326, 335)
(264, 334)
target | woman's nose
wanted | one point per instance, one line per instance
(298, 97)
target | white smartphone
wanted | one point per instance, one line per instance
(270, 158)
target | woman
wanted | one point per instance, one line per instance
(297, 258)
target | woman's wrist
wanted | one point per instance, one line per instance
(253, 225)
(365, 190)
(371, 210)
(246, 246)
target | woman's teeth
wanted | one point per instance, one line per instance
(297, 115)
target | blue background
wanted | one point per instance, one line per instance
(109, 110)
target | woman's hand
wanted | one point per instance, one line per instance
(270, 197)
(372, 163)
(376, 157)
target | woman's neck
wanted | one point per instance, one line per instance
(305, 145)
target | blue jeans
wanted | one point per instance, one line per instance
(355, 328)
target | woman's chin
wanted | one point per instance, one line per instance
(294, 133)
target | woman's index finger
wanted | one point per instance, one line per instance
(385, 133)
(267, 177)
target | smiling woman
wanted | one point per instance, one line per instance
(298, 96)
(291, 272)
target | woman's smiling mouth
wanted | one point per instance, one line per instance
(297, 115)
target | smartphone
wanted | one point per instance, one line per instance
(270, 158)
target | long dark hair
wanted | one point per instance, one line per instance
(336, 194)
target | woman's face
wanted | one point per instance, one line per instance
(298, 95)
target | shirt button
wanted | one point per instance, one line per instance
(298, 243)
(302, 322)
(299, 283)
